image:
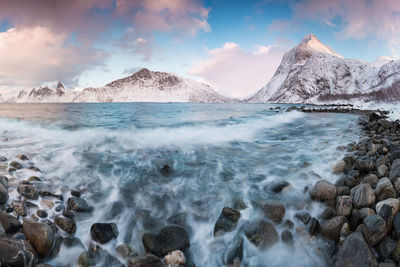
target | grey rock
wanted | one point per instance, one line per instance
(146, 260)
(3, 194)
(344, 205)
(331, 228)
(303, 216)
(272, 209)
(78, 204)
(323, 191)
(371, 179)
(103, 232)
(287, 237)
(364, 165)
(374, 229)
(362, 195)
(226, 221)
(355, 252)
(386, 247)
(382, 170)
(394, 170)
(261, 233)
(384, 189)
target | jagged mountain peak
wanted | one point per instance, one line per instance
(60, 85)
(311, 43)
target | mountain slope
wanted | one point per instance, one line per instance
(313, 73)
(142, 86)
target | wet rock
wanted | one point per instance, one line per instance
(396, 225)
(239, 204)
(313, 226)
(33, 168)
(166, 170)
(288, 224)
(386, 247)
(279, 187)
(146, 260)
(364, 165)
(3, 194)
(227, 221)
(22, 157)
(41, 213)
(272, 209)
(60, 208)
(394, 155)
(126, 251)
(9, 223)
(344, 205)
(343, 191)
(374, 229)
(4, 181)
(16, 165)
(103, 232)
(78, 204)
(287, 237)
(261, 233)
(34, 179)
(169, 238)
(236, 251)
(28, 191)
(66, 224)
(76, 193)
(396, 252)
(344, 232)
(323, 191)
(68, 214)
(178, 218)
(40, 235)
(327, 214)
(2, 159)
(371, 179)
(45, 194)
(395, 170)
(387, 209)
(16, 252)
(175, 259)
(339, 167)
(382, 170)
(384, 189)
(304, 217)
(19, 207)
(85, 260)
(331, 228)
(351, 181)
(362, 195)
(355, 252)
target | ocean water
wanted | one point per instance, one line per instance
(218, 153)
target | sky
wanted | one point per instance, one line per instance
(233, 45)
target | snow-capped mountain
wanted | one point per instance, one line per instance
(312, 72)
(142, 86)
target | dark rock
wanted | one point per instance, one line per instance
(19, 236)
(382, 170)
(169, 238)
(364, 165)
(68, 214)
(3, 194)
(304, 217)
(16, 165)
(59, 208)
(28, 191)
(19, 207)
(239, 204)
(351, 181)
(236, 251)
(396, 225)
(343, 191)
(126, 251)
(384, 189)
(227, 221)
(374, 229)
(9, 223)
(33, 168)
(362, 195)
(327, 214)
(45, 194)
(272, 209)
(166, 170)
(331, 228)
(371, 179)
(261, 233)
(40, 235)
(146, 260)
(41, 213)
(394, 155)
(76, 193)
(103, 232)
(355, 252)
(22, 157)
(344, 205)
(323, 190)
(34, 179)
(383, 160)
(386, 247)
(78, 204)
(287, 237)
(278, 187)
(288, 224)
(394, 170)
(4, 181)
(396, 252)
(178, 218)
(387, 209)
(313, 226)
(66, 224)
(16, 252)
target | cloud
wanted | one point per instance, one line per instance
(357, 19)
(236, 72)
(31, 56)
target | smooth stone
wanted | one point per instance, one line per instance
(126, 251)
(343, 191)
(45, 194)
(226, 221)
(384, 189)
(41, 213)
(287, 237)
(4, 181)
(66, 224)
(355, 252)
(34, 179)
(386, 247)
(387, 209)
(374, 229)
(9, 223)
(304, 217)
(175, 259)
(33, 168)
(272, 209)
(28, 191)
(3, 194)
(78, 204)
(394, 170)
(382, 170)
(16, 165)
(288, 224)
(313, 226)
(47, 203)
(261, 233)
(339, 167)
(362, 196)
(84, 260)
(2, 159)
(344, 205)
(364, 165)
(40, 235)
(16, 252)
(146, 260)
(22, 157)
(76, 193)
(394, 155)
(323, 191)
(279, 187)
(331, 228)
(68, 214)
(371, 179)
(169, 238)
(103, 232)
(19, 207)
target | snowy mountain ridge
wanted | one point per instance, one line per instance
(142, 86)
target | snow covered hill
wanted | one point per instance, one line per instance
(312, 72)
(142, 86)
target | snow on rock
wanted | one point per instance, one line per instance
(142, 86)
(313, 73)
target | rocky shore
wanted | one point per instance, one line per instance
(360, 225)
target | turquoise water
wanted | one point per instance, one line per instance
(217, 152)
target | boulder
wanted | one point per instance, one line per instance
(287, 237)
(364, 165)
(261, 233)
(323, 191)
(9, 223)
(374, 229)
(16, 165)
(78, 204)
(66, 224)
(15, 252)
(126, 251)
(28, 191)
(371, 179)
(226, 221)
(279, 187)
(303, 216)
(4, 181)
(355, 252)
(103, 232)
(19, 207)
(339, 167)
(331, 228)
(3, 194)
(344, 205)
(146, 260)
(22, 157)
(394, 170)
(385, 247)
(387, 209)
(382, 170)
(40, 235)
(175, 259)
(169, 238)
(272, 209)
(384, 189)
(362, 196)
